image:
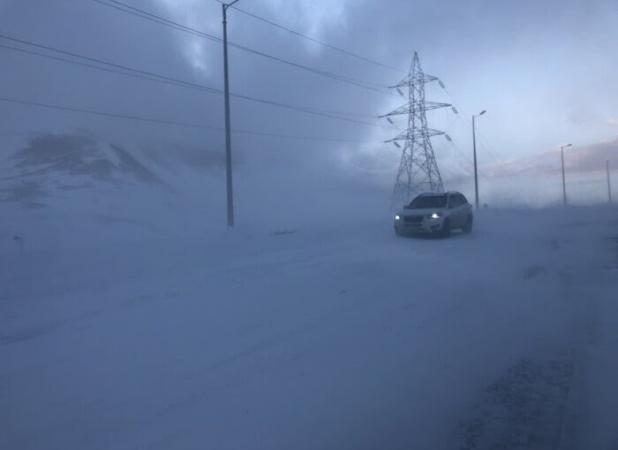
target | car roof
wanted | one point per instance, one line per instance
(433, 194)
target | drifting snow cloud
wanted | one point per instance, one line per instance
(313, 17)
(512, 47)
(587, 158)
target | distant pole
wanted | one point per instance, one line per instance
(609, 184)
(564, 200)
(476, 177)
(228, 134)
(564, 197)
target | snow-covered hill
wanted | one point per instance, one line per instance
(47, 165)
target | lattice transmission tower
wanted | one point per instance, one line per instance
(418, 170)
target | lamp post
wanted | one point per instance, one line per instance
(476, 178)
(228, 137)
(564, 196)
(609, 184)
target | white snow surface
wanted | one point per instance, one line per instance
(328, 333)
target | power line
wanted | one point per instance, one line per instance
(95, 63)
(312, 39)
(177, 26)
(488, 149)
(170, 122)
(90, 66)
(107, 63)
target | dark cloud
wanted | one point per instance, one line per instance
(536, 66)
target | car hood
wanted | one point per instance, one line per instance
(421, 211)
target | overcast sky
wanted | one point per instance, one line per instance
(544, 70)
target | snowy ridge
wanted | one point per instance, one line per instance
(49, 164)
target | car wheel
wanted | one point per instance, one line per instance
(446, 228)
(467, 228)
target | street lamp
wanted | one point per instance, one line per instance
(228, 137)
(476, 178)
(609, 183)
(562, 147)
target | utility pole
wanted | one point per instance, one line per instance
(609, 184)
(228, 134)
(564, 196)
(476, 176)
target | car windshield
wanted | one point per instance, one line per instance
(431, 201)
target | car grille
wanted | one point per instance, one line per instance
(413, 219)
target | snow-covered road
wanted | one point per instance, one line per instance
(331, 337)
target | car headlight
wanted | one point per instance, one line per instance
(397, 217)
(436, 215)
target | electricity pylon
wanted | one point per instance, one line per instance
(418, 170)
